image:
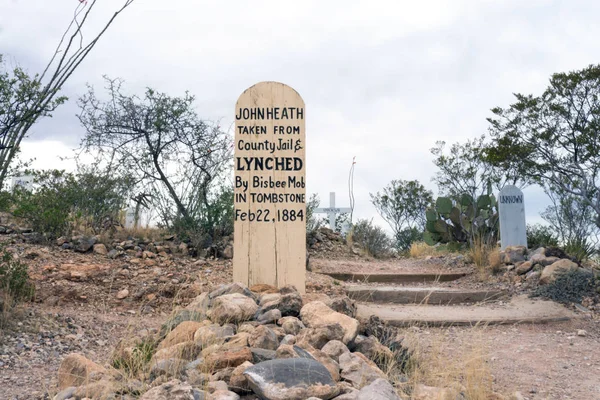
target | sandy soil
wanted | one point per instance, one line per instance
(74, 314)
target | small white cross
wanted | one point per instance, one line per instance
(331, 211)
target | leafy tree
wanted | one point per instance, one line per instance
(24, 99)
(554, 138)
(164, 147)
(402, 204)
(464, 169)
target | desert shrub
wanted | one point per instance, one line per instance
(580, 248)
(406, 237)
(421, 249)
(479, 252)
(371, 238)
(494, 260)
(135, 360)
(61, 202)
(569, 287)
(14, 280)
(539, 235)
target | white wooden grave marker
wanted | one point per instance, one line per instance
(332, 212)
(511, 207)
(270, 195)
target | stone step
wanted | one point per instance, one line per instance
(419, 295)
(520, 310)
(399, 277)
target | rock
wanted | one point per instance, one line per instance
(233, 308)
(238, 381)
(179, 317)
(224, 395)
(216, 385)
(75, 370)
(423, 392)
(581, 332)
(227, 252)
(238, 340)
(342, 304)
(514, 254)
(288, 339)
(222, 375)
(65, 394)
(183, 332)
(174, 390)
(539, 250)
(122, 294)
(103, 389)
(269, 317)
(286, 351)
(524, 268)
(379, 389)
(227, 359)
(101, 249)
(371, 348)
(184, 350)
(532, 275)
(543, 260)
(331, 365)
(335, 349)
(200, 303)
(550, 272)
(232, 288)
(290, 304)
(260, 355)
(212, 334)
(291, 379)
(263, 338)
(263, 288)
(319, 336)
(359, 370)
(171, 367)
(291, 325)
(83, 244)
(316, 314)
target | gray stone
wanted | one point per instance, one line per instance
(379, 389)
(335, 349)
(269, 316)
(260, 355)
(291, 379)
(263, 338)
(174, 390)
(65, 394)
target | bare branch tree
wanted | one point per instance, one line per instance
(24, 99)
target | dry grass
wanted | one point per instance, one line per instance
(422, 249)
(436, 364)
(494, 260)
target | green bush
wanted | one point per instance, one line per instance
(14, 280)
(406, 237)
(371, 238)
(62, 202)
(539, 235)
(569, 287)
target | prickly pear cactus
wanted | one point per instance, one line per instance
(462, 220)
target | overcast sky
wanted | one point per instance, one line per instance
(382, 80)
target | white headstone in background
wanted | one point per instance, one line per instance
(25, 181)
(511, 207)
(130, 218)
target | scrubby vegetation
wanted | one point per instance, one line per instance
(570, 287)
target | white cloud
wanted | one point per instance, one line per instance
(382, 80)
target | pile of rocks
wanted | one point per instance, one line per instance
(144, 248)
(541, 266)
(237, 343)
(328, 242)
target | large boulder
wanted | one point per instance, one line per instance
(550, 272)
(263, 338)
(316, 314)
(76, 370)
(233, 308)
(227, 359)
(291, 379)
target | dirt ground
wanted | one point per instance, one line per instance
(78, 309)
